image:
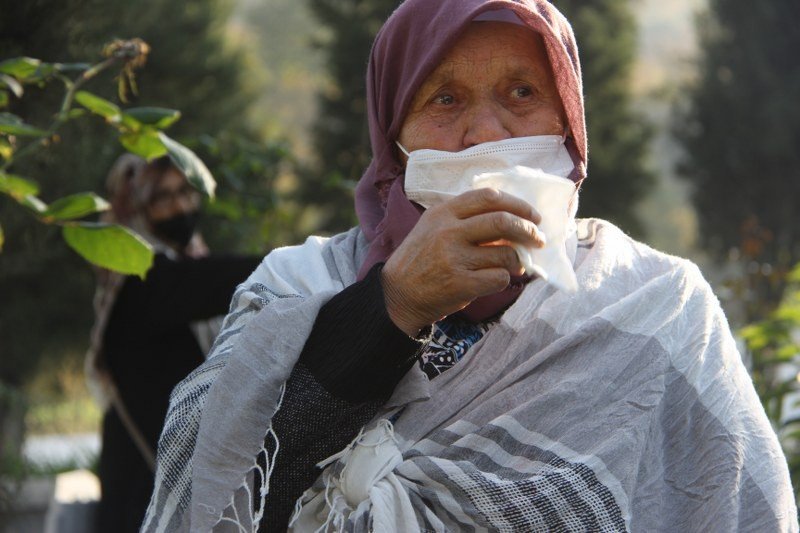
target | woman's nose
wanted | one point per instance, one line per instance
(485, 124)
(184, 202)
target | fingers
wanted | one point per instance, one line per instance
(502, 226)
(494, 257)
(490, 281)
(458, 251)
(487, 200)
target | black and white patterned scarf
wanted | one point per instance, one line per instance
(622, 407)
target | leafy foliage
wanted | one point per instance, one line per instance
(774, 344)
(741, 132)
(111, 247)
(108, 246)
(254, 185)
(73, 207)
(46, 287)
(192, 166)
(45, 309)
(13, 125)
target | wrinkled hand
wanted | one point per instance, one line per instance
(458, 251)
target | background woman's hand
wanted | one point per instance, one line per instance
(457, 252)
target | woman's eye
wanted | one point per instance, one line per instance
(445, 99)
(521, 92)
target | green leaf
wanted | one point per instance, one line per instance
(99, 106)
(26, 68)
(74, 206)
(110, 246)
(76, 113)
(33, 203)
(13, 125)
(23, 191)
(2, 238)
(19, 67)
(145, 143)
(787, 352)
(158, 117)
(17, 187)
(195, 170)
(12, 84)
(6, 150)
(3, 99)
(130, 124)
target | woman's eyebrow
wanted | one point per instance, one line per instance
(526, 72)
(445, 73)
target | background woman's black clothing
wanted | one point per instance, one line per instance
(149, 347)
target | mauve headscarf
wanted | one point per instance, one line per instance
(407, 49)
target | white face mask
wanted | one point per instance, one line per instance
(532, 168)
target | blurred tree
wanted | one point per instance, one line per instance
(775, 349)
(251, 197)
(282, 33)
(46, 289)
(340, 133)
(741, 133)
(618, 136)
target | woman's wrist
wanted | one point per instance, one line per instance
(406, 320)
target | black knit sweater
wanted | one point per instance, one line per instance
(351, 363)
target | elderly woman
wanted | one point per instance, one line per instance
(472, 357)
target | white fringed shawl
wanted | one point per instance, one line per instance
(622, 407)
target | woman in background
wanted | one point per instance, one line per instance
(150, 333)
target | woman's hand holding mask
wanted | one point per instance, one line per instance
(457, 252)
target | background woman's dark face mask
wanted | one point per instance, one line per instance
(178, 229)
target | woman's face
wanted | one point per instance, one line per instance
(172, 196)
(495, 83)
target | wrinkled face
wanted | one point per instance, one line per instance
(172, 195)
(495, 83)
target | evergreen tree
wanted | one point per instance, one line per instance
(618, 137)
(341, 135)
(741, 135)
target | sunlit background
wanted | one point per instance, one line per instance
(694, 129)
